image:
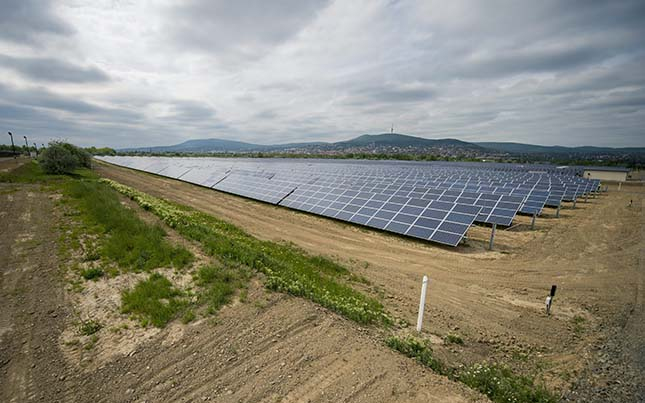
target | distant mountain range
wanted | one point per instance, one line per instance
(382, 143)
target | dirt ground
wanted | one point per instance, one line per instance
(280, 348)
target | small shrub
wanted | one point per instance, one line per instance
(89, 327)
(453, 339)
(92, 273)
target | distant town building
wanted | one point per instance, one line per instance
(613, 174)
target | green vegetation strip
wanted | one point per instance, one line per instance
(496, 381)
(132, 243)
(287, 268)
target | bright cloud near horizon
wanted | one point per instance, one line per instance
(123, 73)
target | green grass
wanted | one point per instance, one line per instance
(131, 243)
(497, 382)
(153, 301)
(219, 284)
(92, 273)
(29, 172)
(287, 268)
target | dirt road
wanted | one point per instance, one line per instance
(492, 299)
(34, 311)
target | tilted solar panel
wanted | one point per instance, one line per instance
(436, 201)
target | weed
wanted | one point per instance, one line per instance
(453, 339)
(90, 344)
(244, 295)
(497, 382)
(188, 316)
(92, 273)
(417, 349)
(500, 384)
(89, 327)
(359, 279)
(154, 301)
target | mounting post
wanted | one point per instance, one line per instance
(549, 299)
(575, 199)
(557, 213)
(422, 302)
(586, 194)
(533, 221)
(492, 237)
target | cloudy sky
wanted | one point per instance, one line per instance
(142, 72)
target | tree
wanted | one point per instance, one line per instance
(64, 158)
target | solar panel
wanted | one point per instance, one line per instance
(435, 201)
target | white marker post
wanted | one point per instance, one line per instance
(422, 302)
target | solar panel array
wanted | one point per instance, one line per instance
(436, 201)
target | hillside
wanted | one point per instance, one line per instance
(520, 148)
(401, 144)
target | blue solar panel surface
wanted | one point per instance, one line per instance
(435, 201)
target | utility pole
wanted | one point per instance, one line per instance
(36, 147)
(13, 147)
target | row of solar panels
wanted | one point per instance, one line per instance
(433, 208)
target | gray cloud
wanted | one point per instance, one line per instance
(238, 30)
(188, 111)
(391, 94)
(26, 21)
(39, 97)
(547, 72)
(52, 70)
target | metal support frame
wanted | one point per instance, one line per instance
(492, 237)
(557, 213)
(533, 221)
